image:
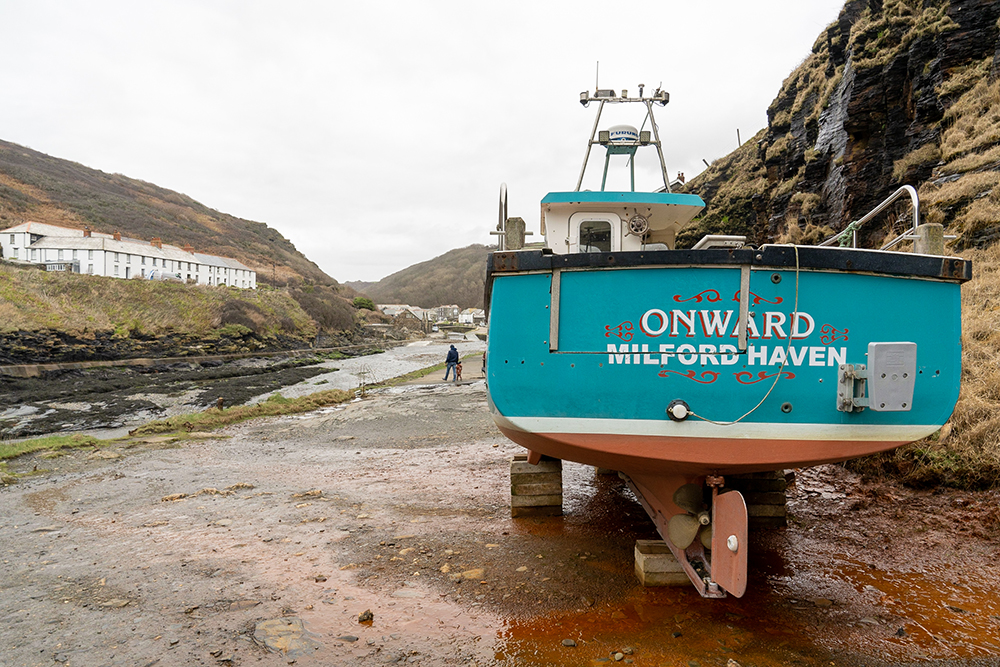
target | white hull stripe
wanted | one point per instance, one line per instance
(696, 428)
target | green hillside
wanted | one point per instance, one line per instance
(35, 187)
(457, 277)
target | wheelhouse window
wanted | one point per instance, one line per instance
(595, 236)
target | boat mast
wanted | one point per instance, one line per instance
(660, 97)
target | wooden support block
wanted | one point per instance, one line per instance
(764, 493)
(764, 498)
(536, 478)
(766, 510)
(547, 510)
(535, 490)
(536, 501)
(767, 522)
(757, 485)
(655, 565)
(541, 489)
(520, 465)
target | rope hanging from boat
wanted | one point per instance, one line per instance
(847, 235)
(795, 313)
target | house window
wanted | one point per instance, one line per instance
(154, 261)
(116, 269)
(59, 255)
(15, 252)
(143, 260)
(75, 255)
(90, 269)
(595, 236)
(90, 254)
(128, 259)
(116, 257)
(12, 239)
(34, 255)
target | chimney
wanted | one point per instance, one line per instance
(118, 236)
(188, 248)
(680, 176)
(156, 242)
(86, 232)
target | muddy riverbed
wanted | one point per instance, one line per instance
(264, 543)
(109, 401)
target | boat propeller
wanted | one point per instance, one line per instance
(696, 522)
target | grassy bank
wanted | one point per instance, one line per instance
(275, 406)
(31, 300)
(180, 427)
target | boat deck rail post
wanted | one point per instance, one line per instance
(928, 238)
(590, 144)
(659, 147)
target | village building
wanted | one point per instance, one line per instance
(393, 309)
(409, 317)
(92, 253)
(475, 316)
(447, 313)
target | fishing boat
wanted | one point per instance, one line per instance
(610, 347)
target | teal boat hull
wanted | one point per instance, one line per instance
(586, 353)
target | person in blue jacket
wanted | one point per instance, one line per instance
(449, 364)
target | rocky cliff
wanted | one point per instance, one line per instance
(894, 92)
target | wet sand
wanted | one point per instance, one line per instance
(264, 543)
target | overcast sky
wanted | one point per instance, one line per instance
(375, 135)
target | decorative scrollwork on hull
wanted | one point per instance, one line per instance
(710, 295)
(756, 299)
(743, 377)
(623, 331)
(831, 335)
(708, 377)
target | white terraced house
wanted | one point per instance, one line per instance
(92, 253)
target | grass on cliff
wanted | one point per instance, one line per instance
(965, 193)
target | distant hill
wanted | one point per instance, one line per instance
(39, 188)
(457, 277)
